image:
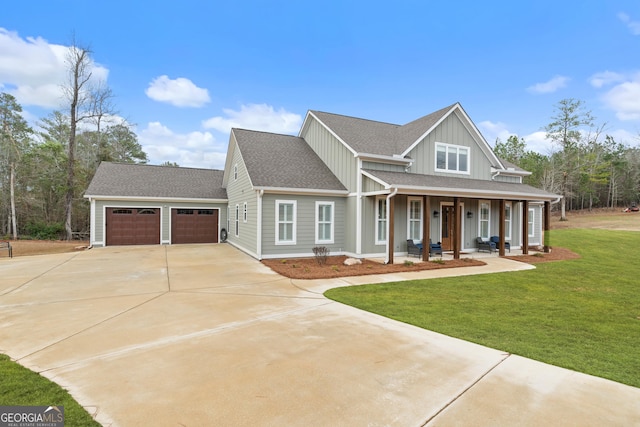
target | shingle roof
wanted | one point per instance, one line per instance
(283, 161)
(464, 186)
(371, 137)
(134, 180)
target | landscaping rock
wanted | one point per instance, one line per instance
(352, 261)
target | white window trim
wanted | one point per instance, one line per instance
(446, 158)
(237, 222)
(409, 200)
(244, 212)
(378, 199)
(488, 203)
(235, 172)
(508, 221)
(332, 222)
(277, 233)
(533, 222)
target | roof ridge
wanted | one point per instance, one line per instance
(356, 118)
(159, 166)
(264, 132)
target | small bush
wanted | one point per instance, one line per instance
(335, 268)
(42, 231)
(408, 263)
(321, 253)
(437, 261)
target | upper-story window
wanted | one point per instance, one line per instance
(235, 172)
(452, 158)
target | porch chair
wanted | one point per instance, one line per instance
(496, 240)
(485, 246)
(413, 248)
(435, 248)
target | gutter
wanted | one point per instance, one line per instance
(389, 197)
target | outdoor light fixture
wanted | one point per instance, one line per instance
(435, 214)
(469, 214)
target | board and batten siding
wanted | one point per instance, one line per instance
(507, 178)
(239, 192)
(304, 223)
(450, 131)
(333, 153)
(382, 166)
(165, 207)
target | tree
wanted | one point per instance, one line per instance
(170, 164)
(14, 137)
(565, 130)
(512, 150)
(86, 101)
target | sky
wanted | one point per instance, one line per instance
(184, 73)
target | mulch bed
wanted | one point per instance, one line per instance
(308, 268)
(556, 254)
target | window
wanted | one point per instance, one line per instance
(205, 211)
(415, 219)
(324, 222)
(185, 211)
(285, 222)
(237, 222)
(122, 211)
(228, 217)
(507, 221)
(381, 221)
(244, 212)
(485, 212)
(146, 211)
(452, 158)
(530, 221)
(235, 172)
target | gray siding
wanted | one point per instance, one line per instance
(239, 192)
(350, 219)
(305, 226)
(507, 178)
(333, 153)
(450, 131)
(369, 185)
(165, 211)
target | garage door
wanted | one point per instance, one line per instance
(133, 226)
(194, 226)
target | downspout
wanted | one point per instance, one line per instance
(359, 209)
(259, 225)
(92, 223)
(389, 197)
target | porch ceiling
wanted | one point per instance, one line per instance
(434, 185)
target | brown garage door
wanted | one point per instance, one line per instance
(194, 226)
(133, 226)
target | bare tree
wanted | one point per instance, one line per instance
(86, 101)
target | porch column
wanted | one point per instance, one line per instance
(525, 227)
(547, 226)
(426, 227)
(456, 228)
(501, 228)
(391, 236)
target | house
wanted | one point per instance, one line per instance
(356, 186)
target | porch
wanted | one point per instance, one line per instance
(449, 255)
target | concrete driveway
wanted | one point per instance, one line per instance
(196, 335)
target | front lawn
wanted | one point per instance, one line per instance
(581, 314)
(22, 387)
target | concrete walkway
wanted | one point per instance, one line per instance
(200, 335)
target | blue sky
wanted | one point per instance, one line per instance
(186, 72)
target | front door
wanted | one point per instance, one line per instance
(448, 220)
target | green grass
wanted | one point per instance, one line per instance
(580, 314)
(21, 387)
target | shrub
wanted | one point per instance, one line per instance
(408, 263)
(41, 231)
(321, 253)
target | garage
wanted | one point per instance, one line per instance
(194, 226)
(132, 226)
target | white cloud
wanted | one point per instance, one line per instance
(605, 78)
(260, 117)
(180, 92)
(556, 83)
(491, 131)
(538, 142)
(634, 26)
(33, 70)
(625, 100)
(193, 149)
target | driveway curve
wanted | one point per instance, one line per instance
(205, 335)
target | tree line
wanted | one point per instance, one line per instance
(45, 171)
(588, 167)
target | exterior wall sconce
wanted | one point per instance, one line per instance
(435, 214)
(469, 214)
